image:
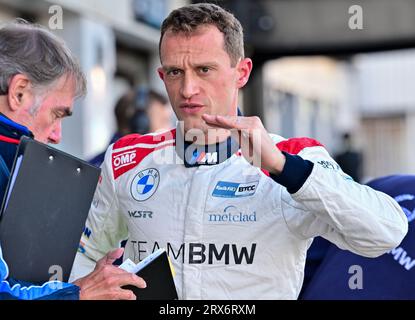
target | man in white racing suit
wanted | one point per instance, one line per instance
(233, 228)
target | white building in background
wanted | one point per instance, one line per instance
(117, 45)
(309, 97)
(386, 99)
(371, 96)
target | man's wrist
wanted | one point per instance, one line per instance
(279, 166)
(295, 172)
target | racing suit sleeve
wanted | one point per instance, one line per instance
(105, 227)
(330, 204)
(11, 289)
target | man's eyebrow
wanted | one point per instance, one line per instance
(207, 64)
(66, 110)
(171, 67)
(195, 65)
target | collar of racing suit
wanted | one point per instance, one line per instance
(194, 155)
(10, 134)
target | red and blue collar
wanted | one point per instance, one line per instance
(11, 132)
(196, 155)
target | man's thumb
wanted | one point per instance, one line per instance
(111, 256)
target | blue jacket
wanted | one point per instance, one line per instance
(344, 275)
(10, 133)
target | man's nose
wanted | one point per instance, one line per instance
(190, 86)
(56, 134)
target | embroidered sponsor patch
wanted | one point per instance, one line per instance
(227, 189)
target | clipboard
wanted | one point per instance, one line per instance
(157, 272)
(44, 210)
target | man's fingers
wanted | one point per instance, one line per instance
(240, 127)
(225, 122)
(113, 294)
(115, 254)
(131, 279)
(233, 122)
(111, 256)
(124, 294)
(118, 277)
(211, 120)
(107, 283)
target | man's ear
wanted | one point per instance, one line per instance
(20, 92)
(244, 68)
(161, 73)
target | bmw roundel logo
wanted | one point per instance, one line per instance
(144, 184)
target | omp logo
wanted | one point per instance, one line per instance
(226, 189)
(124, 159)
(140, 214)
(232, 214)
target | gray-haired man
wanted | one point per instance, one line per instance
(39, 80)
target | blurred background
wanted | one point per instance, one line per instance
(340, 71)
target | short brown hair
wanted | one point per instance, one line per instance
(187, 19)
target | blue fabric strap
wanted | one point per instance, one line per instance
(295, 173)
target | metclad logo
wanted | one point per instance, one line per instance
(232, 214)
(226, 189)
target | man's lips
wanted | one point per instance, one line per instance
(191, 108)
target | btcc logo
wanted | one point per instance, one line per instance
(225, 189)
(247, 188)
(124, 159)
